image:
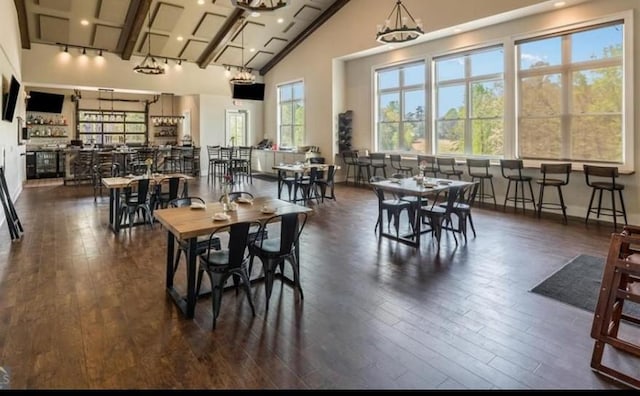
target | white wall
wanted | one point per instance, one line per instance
(351, 30)
(10, 65)
(212, 122)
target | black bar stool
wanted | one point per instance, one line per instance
(512, 171)
(479, 171)
(427, 164)
(396, 165)
(553, 169)
(377, 161)
(350, 159)
(447, 166)
(610, 172)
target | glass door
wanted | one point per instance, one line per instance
(236, 127)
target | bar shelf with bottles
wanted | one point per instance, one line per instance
(47, 125)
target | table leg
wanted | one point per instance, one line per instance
(280, 175)
(191, 277)
(170, 253)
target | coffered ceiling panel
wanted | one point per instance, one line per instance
(258, 58)
(166, 17)
(275, 44)
(230, 55)
(61, 5)
(307, 12)
(254, 34)
(53, 29)
(106, 37)
(193, 49)
(209, 25)
(158, 42)
(113, 10)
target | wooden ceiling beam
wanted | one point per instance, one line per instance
(222, 36)
(328, 13)
(21, 8)
(138, 10)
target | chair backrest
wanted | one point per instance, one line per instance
(244, 152)
(238, 238)
(511, 165)
(446, 161)
(350, 157)
(174, 185)
(186, 201)
(378, 191)
(331, 173)
(454, 194)
(316, 160)
(313, 174)
(141, 187)
(468, 194)
(478, 163)
(429, 161)
(600, 171)
(291, 227)
(377, 158)
(556, 169)
(226, 152)
(234, 195)
(395, 159)
(213, 152)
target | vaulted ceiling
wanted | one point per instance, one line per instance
(200, 31)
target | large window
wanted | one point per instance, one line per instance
(400, 96)
(469, 103)
(570, 95)
(291, 114)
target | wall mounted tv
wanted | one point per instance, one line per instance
(10, 99)
(249, 92)
(45, 102)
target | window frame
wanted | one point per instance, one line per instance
(627, 165)
(467, 81)
(400, 90)
(279, 102)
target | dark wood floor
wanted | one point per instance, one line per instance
(81, 307)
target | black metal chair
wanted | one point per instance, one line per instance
(100, 171)
(564, 170)
(274, 252)
(308, 186)
(222, 264)
(447, 167)
(135, 201)
(479, 171)
(161, 197)
(327, 183)
(439, 217)
(378, 161)
(462, 208)
(512, 171)
(394, 208)
(427, 165)
(611, 185)
(395, 160)
(203, 242)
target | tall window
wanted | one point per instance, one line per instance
(400, 96)
(291, 114)
(469, 103)
(570, 91)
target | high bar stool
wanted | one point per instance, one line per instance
(604, 172)
(553, 169)
(479, 170)
(512, 171)
(447, 166)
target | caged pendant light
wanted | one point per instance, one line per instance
(149, 64)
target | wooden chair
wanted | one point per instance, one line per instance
(620, 283)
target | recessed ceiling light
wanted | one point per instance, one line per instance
(252, 50)
(559, 4)
(255, 14)
(200, 2)
(179, 38)
(84, 22)
(280, 20)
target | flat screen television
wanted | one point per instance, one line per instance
(45, 102)
(248, 92)
(10, 99)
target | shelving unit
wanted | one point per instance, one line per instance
(46, 125)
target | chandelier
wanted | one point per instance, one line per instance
(244, 75)
(399, 28)
(259, 5)
(149, 64)
(168, 120)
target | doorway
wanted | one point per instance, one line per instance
(236, 127)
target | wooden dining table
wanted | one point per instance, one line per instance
(115, 186)
(429, 187)
(187, 224)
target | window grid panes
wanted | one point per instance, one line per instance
(291, 114)
(469, 103)
(570, 93)
(112, 128)
(400, 98)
